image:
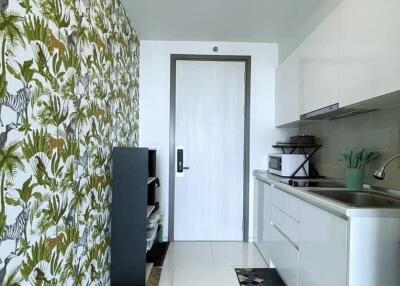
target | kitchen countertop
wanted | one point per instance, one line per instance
(329, 205)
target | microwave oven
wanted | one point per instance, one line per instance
(285, 165)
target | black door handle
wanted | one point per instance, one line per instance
(179, 165)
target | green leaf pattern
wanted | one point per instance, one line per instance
(69, 74)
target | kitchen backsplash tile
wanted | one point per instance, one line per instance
(385, 118)
(376, 139)
(376, 131)
(357, 122)
(393, 138)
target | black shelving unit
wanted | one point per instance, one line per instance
(133, 200)
(128, 216)
(152, 182)
(288, 148)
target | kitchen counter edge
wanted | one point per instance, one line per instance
(333, 207)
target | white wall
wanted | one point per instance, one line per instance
(155, 97)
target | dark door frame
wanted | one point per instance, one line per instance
(246, 126)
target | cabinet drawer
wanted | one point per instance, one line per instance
(286, 203)
(286, 224)
(285, 257)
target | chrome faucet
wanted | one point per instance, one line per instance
(380, 174)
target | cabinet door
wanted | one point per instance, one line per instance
(264, 219)
(370, 45)
(374, 251)
(288, 90)
(319, 65)
(323, 248)
(284, 256)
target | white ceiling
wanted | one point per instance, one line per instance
(286, 22)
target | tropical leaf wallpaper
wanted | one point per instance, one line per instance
(68, 94)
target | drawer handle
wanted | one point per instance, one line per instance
(285, 212)
(285, 236)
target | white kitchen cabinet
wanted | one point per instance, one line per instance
(288, 90)
(374, 251)
(323, 248)
(284, 256)
(264, 219)
(319, 65)
(370, 49)
(311, 243)
(283, 246)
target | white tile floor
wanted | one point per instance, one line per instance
(207, 263)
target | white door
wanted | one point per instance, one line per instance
(210, 129)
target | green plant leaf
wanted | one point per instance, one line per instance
(12, 202)
(26, 5)
(35, 144)
(357, 159)
(26, 71)
(372, 156)
(3, 86)
(3, 219)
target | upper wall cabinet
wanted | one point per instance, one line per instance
(370, 49)
(319, 65)
(287, 90)
(352, 57)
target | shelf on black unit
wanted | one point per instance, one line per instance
(150, 210)
(302, 148)
(151, 180)
(296, 145)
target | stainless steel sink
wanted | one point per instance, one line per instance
(360, 199)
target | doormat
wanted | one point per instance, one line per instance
(154, 277)
(259, 276)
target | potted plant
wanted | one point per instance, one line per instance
(355, 162)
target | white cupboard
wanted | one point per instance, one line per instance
(284, 256)
(323, 244)
(319, 65)
(310, 246)
(370, 49)
(288, 90)
(374, 251)
(263, 218)
(283, 246)
(307, 245)
(352, 58)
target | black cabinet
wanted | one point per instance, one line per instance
(133, 200)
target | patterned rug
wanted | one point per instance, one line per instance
(259, 276)
(154, 277)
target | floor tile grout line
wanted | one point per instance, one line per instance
(213, 263)
(262, 257)
(173, 276)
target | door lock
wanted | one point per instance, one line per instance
(179, 165)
